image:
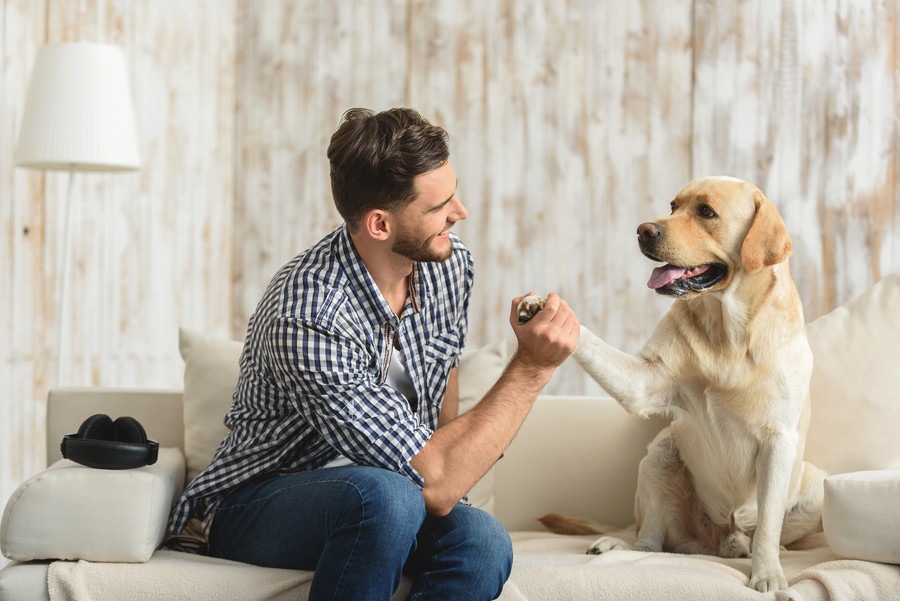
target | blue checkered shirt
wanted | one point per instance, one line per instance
(313, 368)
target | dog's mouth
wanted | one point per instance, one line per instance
(678, 281)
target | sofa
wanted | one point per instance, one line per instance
(77, 533)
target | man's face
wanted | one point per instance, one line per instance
(423, 226)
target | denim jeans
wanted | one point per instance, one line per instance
(360, 528)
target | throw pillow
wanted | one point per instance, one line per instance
(855, 387)
(479, 369)
(210, 376)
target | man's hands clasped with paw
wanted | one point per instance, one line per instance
(546, 328)
(529, 307)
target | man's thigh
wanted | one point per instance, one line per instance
(287, 521)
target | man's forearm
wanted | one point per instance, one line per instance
(463, 450)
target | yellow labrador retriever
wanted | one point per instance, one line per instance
(730, 365)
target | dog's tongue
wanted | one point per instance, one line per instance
(665, 275)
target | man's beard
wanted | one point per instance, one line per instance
(413, 249)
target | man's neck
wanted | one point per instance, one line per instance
(389, 270)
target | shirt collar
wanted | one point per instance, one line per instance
(364, 287)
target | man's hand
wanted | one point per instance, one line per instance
(550, 335)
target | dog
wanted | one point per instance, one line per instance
(729, 365)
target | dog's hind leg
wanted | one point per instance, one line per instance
(656, 506)
(805, 515)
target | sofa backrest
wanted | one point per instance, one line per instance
(574, 455)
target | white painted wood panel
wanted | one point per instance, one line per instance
(151, 250)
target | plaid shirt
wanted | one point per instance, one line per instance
(313, 369)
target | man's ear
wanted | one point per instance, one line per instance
(376, 224)
(768, 241)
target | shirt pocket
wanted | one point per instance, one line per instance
(442, 347)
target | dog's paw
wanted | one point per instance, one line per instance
(768, 579)
(736, 544)
(607, 543)
(529, 307)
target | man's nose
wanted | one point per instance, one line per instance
(460, 211)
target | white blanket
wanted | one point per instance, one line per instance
(551, 567)
(547, 567)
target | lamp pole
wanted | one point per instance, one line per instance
(62, 296)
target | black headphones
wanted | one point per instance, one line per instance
(110, 445)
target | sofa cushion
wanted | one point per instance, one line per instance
(210, 376)
(211, 373)
(861, 515)
(855, 387)
(121, 514)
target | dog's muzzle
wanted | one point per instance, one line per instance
(672, 279)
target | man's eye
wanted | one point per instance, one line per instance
(706, 212)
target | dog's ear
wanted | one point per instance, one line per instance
(768, 241)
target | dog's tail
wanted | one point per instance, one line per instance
(566, 524)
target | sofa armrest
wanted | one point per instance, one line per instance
(70, 511)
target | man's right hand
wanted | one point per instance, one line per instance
(549, 337)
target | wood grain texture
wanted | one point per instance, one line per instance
(571, 122)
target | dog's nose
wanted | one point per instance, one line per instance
(648, 232)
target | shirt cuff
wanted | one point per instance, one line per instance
(399, 445)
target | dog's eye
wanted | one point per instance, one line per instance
(673, 206)
(706, 212)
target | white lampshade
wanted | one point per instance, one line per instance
(79, 112)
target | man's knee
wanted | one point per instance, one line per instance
(495, 541)
(389, 500)
(487, 543)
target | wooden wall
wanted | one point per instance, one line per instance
(571, 122)
(151, 250)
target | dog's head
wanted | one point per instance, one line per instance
(718, 227)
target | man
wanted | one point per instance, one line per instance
(345, 454)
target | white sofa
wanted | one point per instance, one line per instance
(575, 455)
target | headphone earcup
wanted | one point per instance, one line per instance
(96, 427)
(128, 429)
(105, 444)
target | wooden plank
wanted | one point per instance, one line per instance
(23, 306)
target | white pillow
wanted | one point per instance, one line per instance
(860, 514)
(479, 369)
(210, 376)
(855, 387)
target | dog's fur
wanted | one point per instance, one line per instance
(730, 365)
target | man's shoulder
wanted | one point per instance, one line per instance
(301, 285)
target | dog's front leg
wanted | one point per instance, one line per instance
(637, 383)
(773, 470)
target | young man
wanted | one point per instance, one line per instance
(345, 454)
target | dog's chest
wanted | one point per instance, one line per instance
(729, 404)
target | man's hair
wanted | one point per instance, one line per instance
(375, 157)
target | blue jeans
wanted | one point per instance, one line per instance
(360, 528)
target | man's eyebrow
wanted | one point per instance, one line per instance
(448, 199)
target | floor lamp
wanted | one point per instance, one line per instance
(79, 116)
